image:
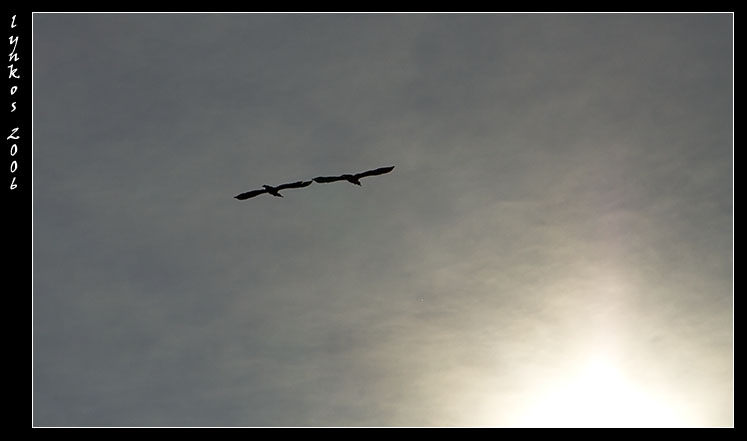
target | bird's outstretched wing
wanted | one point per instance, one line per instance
(376, 172)
(297, 184)
(327, 179)
(249, 194)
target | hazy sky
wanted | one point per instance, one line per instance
(554, 246)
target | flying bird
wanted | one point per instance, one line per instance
(353, 179)
(275, 191)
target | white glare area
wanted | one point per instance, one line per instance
(599, 396)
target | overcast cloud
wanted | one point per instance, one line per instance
(562, 191)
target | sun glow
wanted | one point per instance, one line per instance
(599, 396)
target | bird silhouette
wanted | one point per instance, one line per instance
(275, 191)
(353, 179)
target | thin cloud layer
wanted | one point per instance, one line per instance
(562, 192)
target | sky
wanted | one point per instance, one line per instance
(553, 248)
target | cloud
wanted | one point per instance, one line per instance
(562, 188)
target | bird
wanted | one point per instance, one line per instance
(353, 179)
(275, 191)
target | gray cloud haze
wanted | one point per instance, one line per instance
(562, 192)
